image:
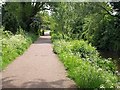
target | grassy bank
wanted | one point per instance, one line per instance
(84, 64)
(15, 45)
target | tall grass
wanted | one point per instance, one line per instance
(85, 66)
(15, 45)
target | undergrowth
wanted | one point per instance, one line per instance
(84, 64)
(15, 45)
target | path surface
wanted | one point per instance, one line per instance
(38, 67)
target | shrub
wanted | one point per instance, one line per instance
(89, 53)
(87, 76)
(83, 48)
(10, 22)
(84, 51)
(55, 36)
(61, 46)
(84, 64)
(14, 45)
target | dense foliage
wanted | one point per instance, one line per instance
(15, 45)
(22, 15)
(75, 29)
(97, 23)
(22, 25)
(85, 66)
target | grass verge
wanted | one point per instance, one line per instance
(15, 45)
(85, 66)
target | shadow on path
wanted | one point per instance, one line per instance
(40, 83)
(43, 40)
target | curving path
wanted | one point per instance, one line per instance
(38, 67)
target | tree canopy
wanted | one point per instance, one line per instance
(96, 22)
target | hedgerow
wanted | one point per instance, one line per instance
(84, 64)
(15, 45)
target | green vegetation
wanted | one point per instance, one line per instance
(84, 64)
(15, 45)
(78, 30)
(22, 23)
(94, 22)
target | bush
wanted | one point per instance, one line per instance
(10, 22)
(84, 64)
(84, 51)
(87, 76)
(14, 45)
(89, 53)
(83, 48)
(55, 36)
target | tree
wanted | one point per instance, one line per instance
(24, 12)
(94, 22)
